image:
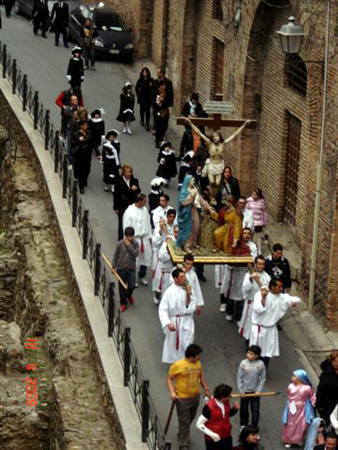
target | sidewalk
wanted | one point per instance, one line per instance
(311, 340)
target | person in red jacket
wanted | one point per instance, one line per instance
(214, 421)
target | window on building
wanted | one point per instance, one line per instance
(293, 129)
(217, 70)
(218, 11)
(296, 74)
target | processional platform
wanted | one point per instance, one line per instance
(205, 257)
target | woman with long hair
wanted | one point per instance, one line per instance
(143, 91)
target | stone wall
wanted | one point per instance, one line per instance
(77, 404)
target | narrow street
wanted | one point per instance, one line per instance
(46, 67)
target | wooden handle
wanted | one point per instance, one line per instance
(262, 394)
(113, 271)
(166, 428)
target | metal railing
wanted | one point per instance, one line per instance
(152, 431)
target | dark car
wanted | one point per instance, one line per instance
(113, 36)
(26, 6)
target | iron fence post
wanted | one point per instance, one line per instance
(65, 176)
(74, 203)
(126, 357)
(14, 76)
(56, 152)
(24, 93)
(111, 309)
(85, 233)
(47, 129)
(145, 410)
(4, 61)
(36, 109)
(97, 269)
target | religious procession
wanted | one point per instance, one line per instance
(185, 229)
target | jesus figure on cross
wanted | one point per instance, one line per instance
(215, 164)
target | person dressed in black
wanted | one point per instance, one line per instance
(327, 391)
(75, 71)
(111, 162)
(277, 266)
(127, 103)
(167, 163)
(157, 103)
(155, 194)
(8, 7)
(143, 91)
(126, 190)
(40, 17)
(60, 21)
(229, 186)
(97, 128)
(82, 147)
(193, 108)
(88, 34)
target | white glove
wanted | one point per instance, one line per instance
(162, 161)
(69, 77)
(82, 78)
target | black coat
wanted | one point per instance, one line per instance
(234, 188)
(82, 149)
(198, 110)
(126, 102)
(76, 71)
(97, 129)
(40, 11)
(327, 391)
(280, 269)
(168, 169)
(123, 195)
(169, 91)
(143, 91)
(60, 15)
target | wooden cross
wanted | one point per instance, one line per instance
(216, 122)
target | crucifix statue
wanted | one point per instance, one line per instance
(214, 166)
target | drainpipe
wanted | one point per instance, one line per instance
(319, 174)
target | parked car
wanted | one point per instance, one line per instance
(113, 35)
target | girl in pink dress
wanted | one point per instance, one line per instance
(299, 411)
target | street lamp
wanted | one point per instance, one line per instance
(291, 38)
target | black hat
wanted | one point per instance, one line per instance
(114, 133)
(96, 112)
(165, 144)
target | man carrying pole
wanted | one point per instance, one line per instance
(124, 262)
(184, 382)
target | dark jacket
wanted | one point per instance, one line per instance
(97, 128)
(143, 91)
(82, 150)
(234, 188)
(60, 15)
(169, 90)
(123, 195)
(76, 71)
(327, 391)
(199, 112)
(40, 11)
(280, 269)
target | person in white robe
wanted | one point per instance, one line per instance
(137, 216)
(163, 228)
(164, 267)
(247, 214)
(251, 285)
(269, 306)
(176, 311)
(161, 211)
(231, 288)
(188, 263)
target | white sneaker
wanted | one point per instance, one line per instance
(222, 307)
(156, 300)
(129, 131)
(287, 445)
(229, 318)
(136, 285)
(124, 130)
(144, 281)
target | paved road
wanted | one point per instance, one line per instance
(223, 348)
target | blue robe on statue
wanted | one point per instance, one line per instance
(184, 219)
